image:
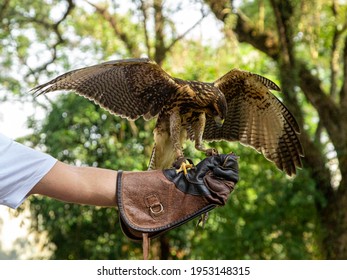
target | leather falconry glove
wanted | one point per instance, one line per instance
(153, 202)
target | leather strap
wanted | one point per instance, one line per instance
(146, 243)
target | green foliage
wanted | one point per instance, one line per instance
(268, 216)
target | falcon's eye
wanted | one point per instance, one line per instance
(211, 110)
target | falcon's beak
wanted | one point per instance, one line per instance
(219, 121)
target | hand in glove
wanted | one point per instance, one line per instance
(153, 202)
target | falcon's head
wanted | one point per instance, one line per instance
(217, 108)
(211, 100)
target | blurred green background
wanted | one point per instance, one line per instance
(301, 45)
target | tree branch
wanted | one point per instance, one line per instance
(3, 8)
(334, 60)
(70, 7)
(180, 37)
(266, 41)
(118, 31)
(343, 92)
(343, 101)
(335, 50)
(60, 40)
(283, 13)
(159, 23)
(144, 8)
(220, 8)
(160, 47)
(328, 111)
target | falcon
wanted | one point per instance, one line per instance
(239, 106)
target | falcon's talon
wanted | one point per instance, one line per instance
(211, 152)
(181, 165)
(184, 167)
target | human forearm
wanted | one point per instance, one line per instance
(83, 185)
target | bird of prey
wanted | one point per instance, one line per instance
(236, 107)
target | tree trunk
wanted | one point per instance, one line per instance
(159, 22)
(164, 247)
(334, 220)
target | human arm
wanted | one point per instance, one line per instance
(25, 171)
(82, 185)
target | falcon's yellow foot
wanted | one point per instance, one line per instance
(184, 167)
(181, 165)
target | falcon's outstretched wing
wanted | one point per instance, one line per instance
(130, 88)
(257, 118)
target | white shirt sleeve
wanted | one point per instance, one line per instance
(21, 168)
